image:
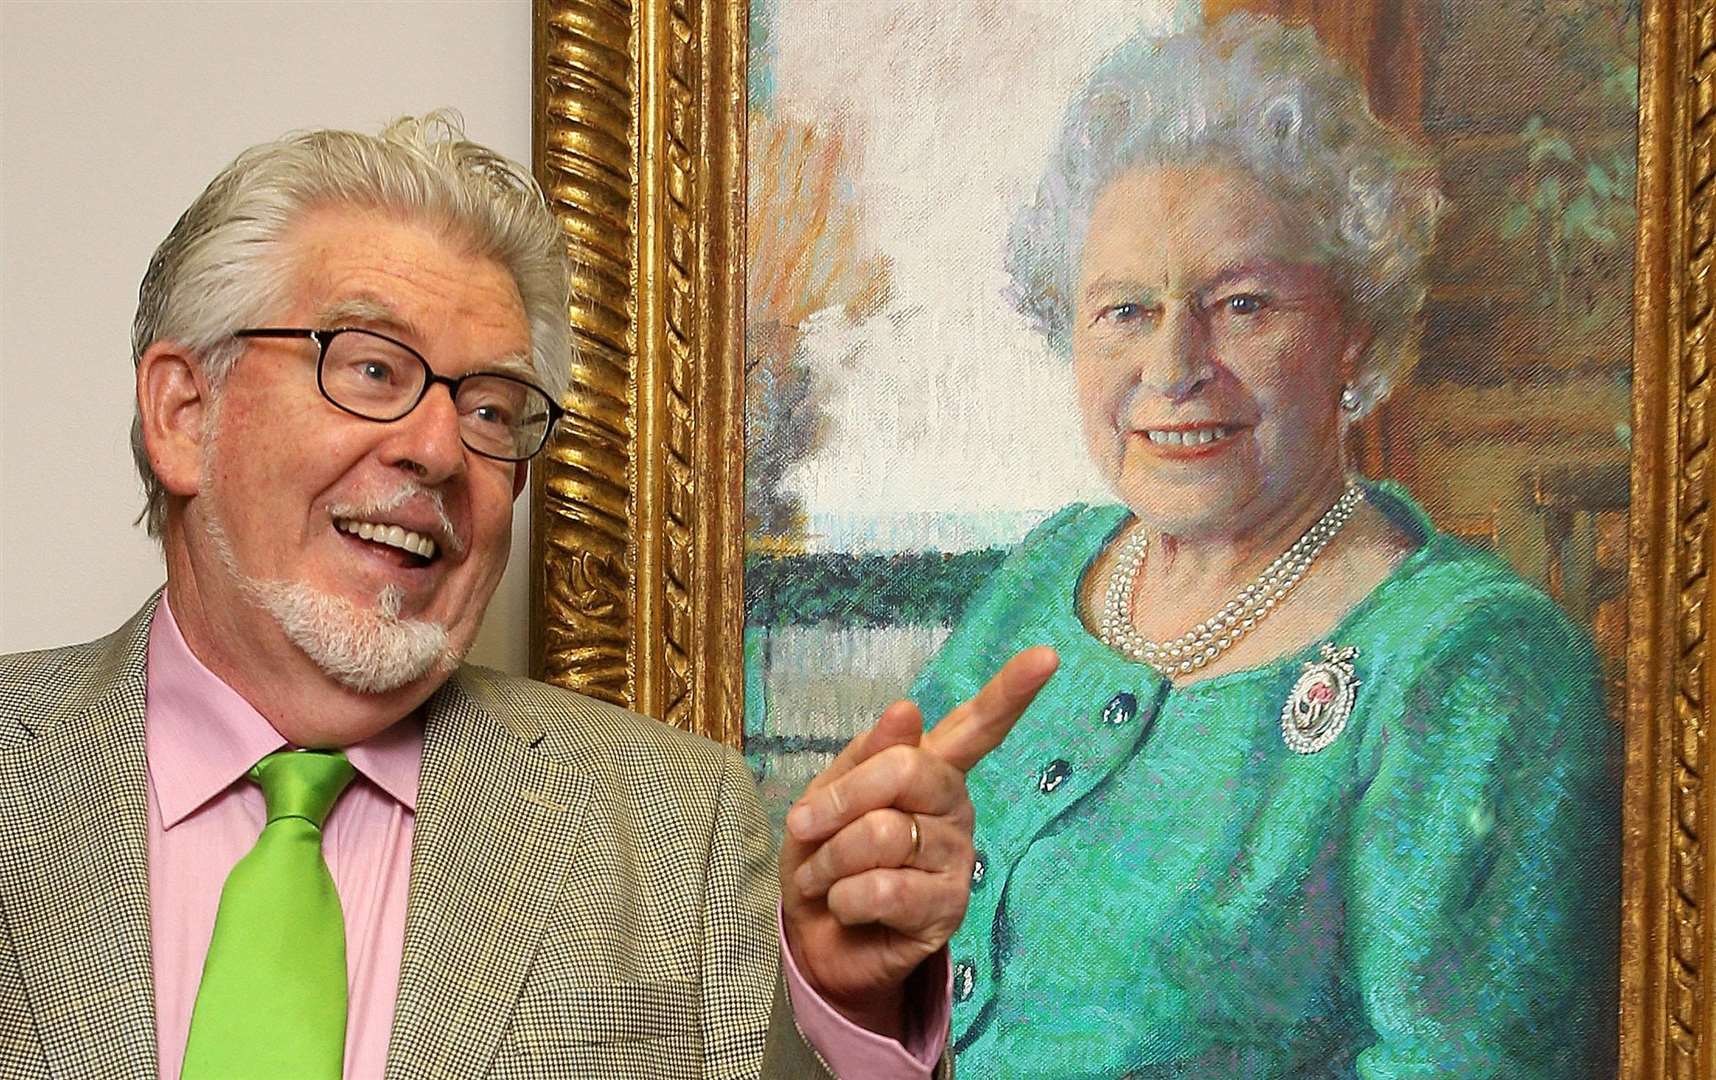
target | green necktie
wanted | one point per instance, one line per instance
(272, 1003)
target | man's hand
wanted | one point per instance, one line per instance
(876, 866)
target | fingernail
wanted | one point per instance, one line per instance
(799, 820)
(1035, 675)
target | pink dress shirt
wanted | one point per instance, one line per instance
(202, 738)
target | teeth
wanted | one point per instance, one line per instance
(391, 535)
(1194, 437)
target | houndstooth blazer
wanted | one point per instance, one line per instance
(592, 893)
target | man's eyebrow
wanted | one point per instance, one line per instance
(519, 365)
(372, 314)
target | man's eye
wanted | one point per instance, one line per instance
(1245, 304)
(369, 370)
(498, 415)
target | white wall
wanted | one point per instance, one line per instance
(112, 118)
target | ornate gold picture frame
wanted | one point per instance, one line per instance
(640, 136)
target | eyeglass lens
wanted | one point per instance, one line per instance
(383, 380)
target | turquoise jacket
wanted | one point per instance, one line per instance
(1164, 889)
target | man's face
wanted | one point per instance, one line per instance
(292, 485)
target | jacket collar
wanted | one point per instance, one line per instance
(497, 825)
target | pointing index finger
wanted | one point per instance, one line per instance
(978, 726)
(899, 723)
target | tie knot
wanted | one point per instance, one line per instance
(302, 783)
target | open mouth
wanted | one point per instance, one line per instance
(415, 548)
(1188, 442)
(1198, 436)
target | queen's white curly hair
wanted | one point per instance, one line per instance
(1252, 93)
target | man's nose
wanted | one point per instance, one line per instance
(1175, 362)
(426, 441)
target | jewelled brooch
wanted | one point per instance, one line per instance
(1321, 701)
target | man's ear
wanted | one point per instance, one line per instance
(173, 404)
(520, 472)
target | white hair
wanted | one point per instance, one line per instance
(223, 267)
(1257, 95)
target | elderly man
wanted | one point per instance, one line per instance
(272, 827)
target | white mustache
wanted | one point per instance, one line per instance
(377, 504)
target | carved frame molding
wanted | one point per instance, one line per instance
(639, 137)
(1668, 953)
(637, 553)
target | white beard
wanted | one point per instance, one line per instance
(369, 650)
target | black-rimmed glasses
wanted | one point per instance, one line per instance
(373, 376)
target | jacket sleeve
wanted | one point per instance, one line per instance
(1482, 879)
(741, 954)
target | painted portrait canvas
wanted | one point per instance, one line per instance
(1272, 362)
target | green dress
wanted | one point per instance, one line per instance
(1164, 889)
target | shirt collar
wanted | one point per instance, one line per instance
(390, 759)
(201, 736)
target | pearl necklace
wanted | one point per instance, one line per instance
(1238, 617)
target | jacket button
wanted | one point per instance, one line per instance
(978, 869)
(964, 981)
(1052, 774)
(1121, 708)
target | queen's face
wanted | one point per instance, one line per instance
(1209, 348)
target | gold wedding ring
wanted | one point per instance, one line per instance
(917, 842)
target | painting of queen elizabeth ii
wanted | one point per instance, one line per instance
(1321, 789)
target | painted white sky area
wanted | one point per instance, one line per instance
(952, 423)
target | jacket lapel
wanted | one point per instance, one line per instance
(495, 829)
(73, 841)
